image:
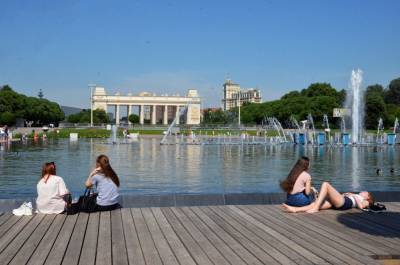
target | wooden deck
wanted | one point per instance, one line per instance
(251, 234)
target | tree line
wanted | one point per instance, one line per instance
(317, 99)
(39, 111)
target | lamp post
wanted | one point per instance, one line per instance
(91, 104)
(239, 108)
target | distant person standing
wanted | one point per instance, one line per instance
(107, 184)
(6, 132)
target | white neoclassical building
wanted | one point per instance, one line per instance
(157, 109)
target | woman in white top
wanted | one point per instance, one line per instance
(330, 198)
(51, 191)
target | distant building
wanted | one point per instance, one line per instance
(234, 95)
(153, 108)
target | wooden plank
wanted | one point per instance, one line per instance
(73, 251)
(39, 256)
(119, 255)
(297, 238)
(13, 230)
(316, 239)
(225, 250)
(9, 252)
(166, 254)
(60, 245)
(379, 243)
(29, 246)
(242, 226)
(134, 250)
(371, 228)
(238, 236)
(272, 242)
(150, 252)
(392, 206)
(288, 244)
(226, 237)
(377, 221)
(4, 217)
(201, 240)
(318, 225)
(386, 219)
(320, 240)
(103, 255)
(345, 247)
(9, 224)
(89, 247)
(191, 245)
(176, 245)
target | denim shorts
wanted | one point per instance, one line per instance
(299, 199)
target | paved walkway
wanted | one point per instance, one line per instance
(251, 234)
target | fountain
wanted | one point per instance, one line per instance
(391, 137)
(310, 124)
(355, 102)
(276, 125)
(169, 130)
(294, 125)
(396, 125)
(326, 126)
(380, 132)
(113, 138)
(343, 125)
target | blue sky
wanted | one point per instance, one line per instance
(171, 46)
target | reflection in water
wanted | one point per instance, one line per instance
(145, 167)
(355, 172)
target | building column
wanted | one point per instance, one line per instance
(165, 118)
(129, 113)
(177, 116)
(141, 114)
(116, 114)
(153, 114)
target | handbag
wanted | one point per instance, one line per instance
(87, 202)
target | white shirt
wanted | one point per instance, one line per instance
(49, 200)
(353, 199)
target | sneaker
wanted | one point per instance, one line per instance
(24, 209)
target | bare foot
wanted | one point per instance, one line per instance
(288, 208)
(313, 210)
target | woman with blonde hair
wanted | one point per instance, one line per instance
(107, 184)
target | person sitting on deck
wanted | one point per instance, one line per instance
(330, 198)
(298, 184)
(53, 194)
(107, 183)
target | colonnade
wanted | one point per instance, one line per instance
(156, 109)
(153, 113)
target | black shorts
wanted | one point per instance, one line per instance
(348, 204)
(112, 207)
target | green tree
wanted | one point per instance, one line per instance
(133, 118)
(375, 106)
(40, 94)
(218, 116)
(7, 118)
(392, 94)
(40, 111)
(99, 116)
(318, 99)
